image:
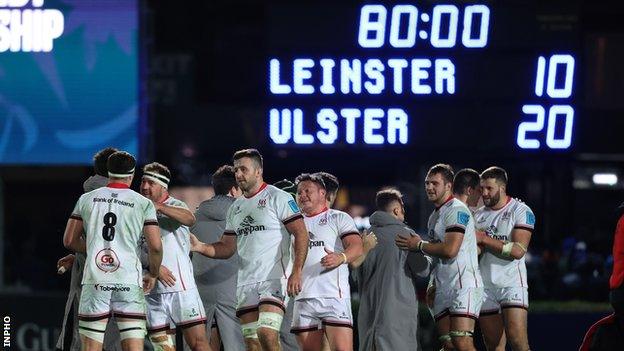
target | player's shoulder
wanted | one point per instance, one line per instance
(338, 215)
(457, 205)
(276, 192)
(172, 201)
(519, 206)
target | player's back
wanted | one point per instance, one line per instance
(113, 219)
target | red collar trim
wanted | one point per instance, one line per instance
(445, 202)
(318, 213)
(165, 200)
(505, 205)
(264, 185)
(118, 185)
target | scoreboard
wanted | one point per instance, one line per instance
(423, 75)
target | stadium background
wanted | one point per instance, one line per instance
(186, 85)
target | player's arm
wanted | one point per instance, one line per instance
(447, 249)
(72, 237)
(297, 228)
(369, 241)
(178, 213)
(352, 243)
(154, 248)
(222, 249)
(512, 250)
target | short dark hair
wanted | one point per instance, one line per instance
(100, 159)
(385, 197)
(495, 172)
(160, 169)
(121, 163)
(250, 153)
(223, 179)
(331, 182)
(445, 170)
(303, 177)
(464, 179)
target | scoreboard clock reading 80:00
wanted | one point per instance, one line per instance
(335, 85)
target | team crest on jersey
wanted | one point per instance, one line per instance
(463, 218)
(262, 203)
(530, 218)
(248, 226)
(506, 216)
(323, 221)
(237, 209)
(107, 261)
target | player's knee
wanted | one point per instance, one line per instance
(268, 336)
(518, 343)
(269, 324)
(196, 338)
(132, 329)
(162, 341)
(462, 340)
(93, 330)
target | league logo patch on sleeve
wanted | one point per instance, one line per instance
(463, 218)
(530, 218)
(293, 206)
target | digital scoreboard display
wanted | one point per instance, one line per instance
(69, 79)
(423, 75)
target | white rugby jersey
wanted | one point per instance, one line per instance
(326, 230)
(462, 270)
(176, 251)
(113, 218)
(263, 242)
(499, 272)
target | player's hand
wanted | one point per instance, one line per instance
(369, 241)
(195, 243)
(408, 243)
(65, 263)
(430, 296)
(294, 283)
(149, 281)
(332, 259)
(166, 277)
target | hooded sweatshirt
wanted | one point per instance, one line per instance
(388, 313)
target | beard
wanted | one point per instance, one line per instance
(246, 184)
(493, 200)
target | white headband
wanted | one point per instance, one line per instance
(157, 178)
(118, 175)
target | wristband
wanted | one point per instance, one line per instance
(506, 251)
(420, 245)
(344, 257)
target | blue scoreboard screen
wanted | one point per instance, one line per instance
(69, 79)
(423, 75)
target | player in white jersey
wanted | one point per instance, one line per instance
(259, 226)
(459, 288)
(113, 218)
(504, 229)
(175, 297)
(467, 189)
(324, 305)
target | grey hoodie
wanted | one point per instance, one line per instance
(388, 312)
(216, 279)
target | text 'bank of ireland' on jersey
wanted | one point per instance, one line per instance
(113, 219)
(498, 271)
(463, 270)
(326, 231)
(263, 243)
(176, 251)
